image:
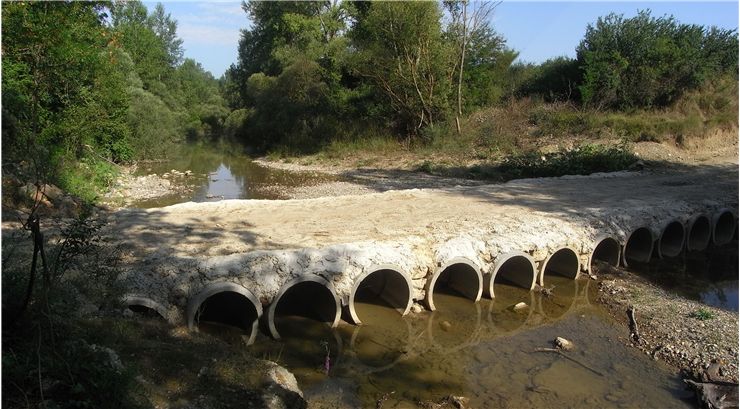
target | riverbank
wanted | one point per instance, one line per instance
(698, 340)
(366, 170)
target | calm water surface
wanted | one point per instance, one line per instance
(222, 171)
(484, 351)
(709, 276)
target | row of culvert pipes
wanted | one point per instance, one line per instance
(314, 297)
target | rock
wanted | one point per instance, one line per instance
(281, 389)
(460, 402)
(445, 325)
(564, 344)
(113, 360)
(519, 306)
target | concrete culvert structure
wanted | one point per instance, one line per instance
(607, 250)
(639, 246)
(513, 268)
(698, 233)
(671, 240)
(563, 262)
(145, 306)
(226, 303)
(723, 229)
(459, 276)
(308, 296)
(382, 285)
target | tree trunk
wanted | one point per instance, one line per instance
(462, 65)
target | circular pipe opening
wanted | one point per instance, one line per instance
(724, 227)
(458, 277)
(145, 307)
(385, 286)
(310, 297)
(639, 247)
(698, 233)
(512, 269)
(563, 262)
(228, 304)
(606, 251)
(671, 239)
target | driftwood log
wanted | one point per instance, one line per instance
(715, 395)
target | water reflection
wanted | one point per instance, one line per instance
(709, 276)
(484, 351)
(221, 171)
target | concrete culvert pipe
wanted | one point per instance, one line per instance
(382, 285)
(723, 229)
(639, 246)
(459, 276)
(145, 306)
(563, 262)
(514, 269)
(226, 303)
(606, 251)
(670, 242)
(698, 233)
(309, 296)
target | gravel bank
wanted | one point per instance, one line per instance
(670, 328)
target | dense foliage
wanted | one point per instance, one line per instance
(646, 61)
(87, 85)
(311, 73)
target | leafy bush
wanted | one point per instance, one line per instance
(702, 314)
(583, 160)
(645, 61)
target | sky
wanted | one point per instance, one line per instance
(539, 30)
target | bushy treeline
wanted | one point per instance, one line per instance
(311, 72)
(88, 84)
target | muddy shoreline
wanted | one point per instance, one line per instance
(670, 329)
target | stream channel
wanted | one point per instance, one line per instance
(484, 351)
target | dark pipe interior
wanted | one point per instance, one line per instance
(724, 229)
(516, 270)
(384, 287)
(229, 308)
(700, 234)
(607, 251)
(308, 299)
(458, 279)
(145, 311)
(563, 263)
(639, 247)
(671, 240)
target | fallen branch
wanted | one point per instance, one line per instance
(559, 352)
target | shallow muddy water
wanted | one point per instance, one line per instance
(709, 276)
(484, 351)
(222, 171)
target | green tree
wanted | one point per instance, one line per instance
(645, 61)
(400, 50)
(64, 96)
